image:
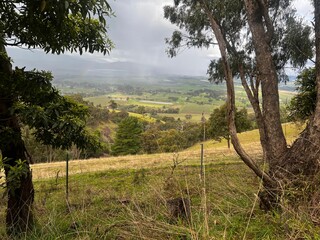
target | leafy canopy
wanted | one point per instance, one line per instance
(291, 42)
(217, 125)
(56, 120)
(56, 25)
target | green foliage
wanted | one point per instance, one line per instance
(56, 26)
(15, 173)
(171, 136)
(117, 117)
(217, 125)
(90, 120)
(302, 105)
(127, 140)
(149, 140)
(171, 141)
(95, 114)
(113, 105)
(51, 118)
(297, 43)
(291, 41)
(57, 121)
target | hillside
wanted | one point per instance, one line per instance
(127, 197)
(215, 153)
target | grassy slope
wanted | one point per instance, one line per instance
(125, 198)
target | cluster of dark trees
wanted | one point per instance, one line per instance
(170, 135)
(215, 94)
(151, 110)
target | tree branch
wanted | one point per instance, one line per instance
(263, 5)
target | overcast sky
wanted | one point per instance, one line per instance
(138, 32)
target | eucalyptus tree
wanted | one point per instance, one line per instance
(217, 125)
(27, 96)
(256, 40)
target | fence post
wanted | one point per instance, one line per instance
(201, 161)
(67, 177)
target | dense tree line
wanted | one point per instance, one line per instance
(170, 135)
(151, 110)
(213, 94)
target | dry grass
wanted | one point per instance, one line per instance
(126, 198)
(49, 170)
(215, 153)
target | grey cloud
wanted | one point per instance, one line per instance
(138, 31)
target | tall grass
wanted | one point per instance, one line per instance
(127, 198)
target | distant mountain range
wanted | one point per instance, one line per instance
(68, 63)
(98, 69)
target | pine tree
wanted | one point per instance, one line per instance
(128, 137)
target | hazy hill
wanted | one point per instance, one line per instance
(96, 69)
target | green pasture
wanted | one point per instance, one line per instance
(130, 197)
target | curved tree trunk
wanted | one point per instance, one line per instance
(231, 102)
(297, 167)
(253, 96)
(19, 217)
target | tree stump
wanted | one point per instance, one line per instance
(179, 208)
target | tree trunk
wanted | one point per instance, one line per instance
(262, 34)
(19, 217)
(231, 100)
(299, 167)
(296, 169)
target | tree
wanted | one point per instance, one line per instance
(302, 105)
(256, 39)
(54, 26)
(171, 141)
(150, 139)
(127, 140)
(218, 123)
(113, 105)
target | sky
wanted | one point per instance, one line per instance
(138, 31)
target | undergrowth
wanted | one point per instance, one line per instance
(133, 204)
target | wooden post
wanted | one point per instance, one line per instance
(203, 120)
(201, 161)
(67, 177)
